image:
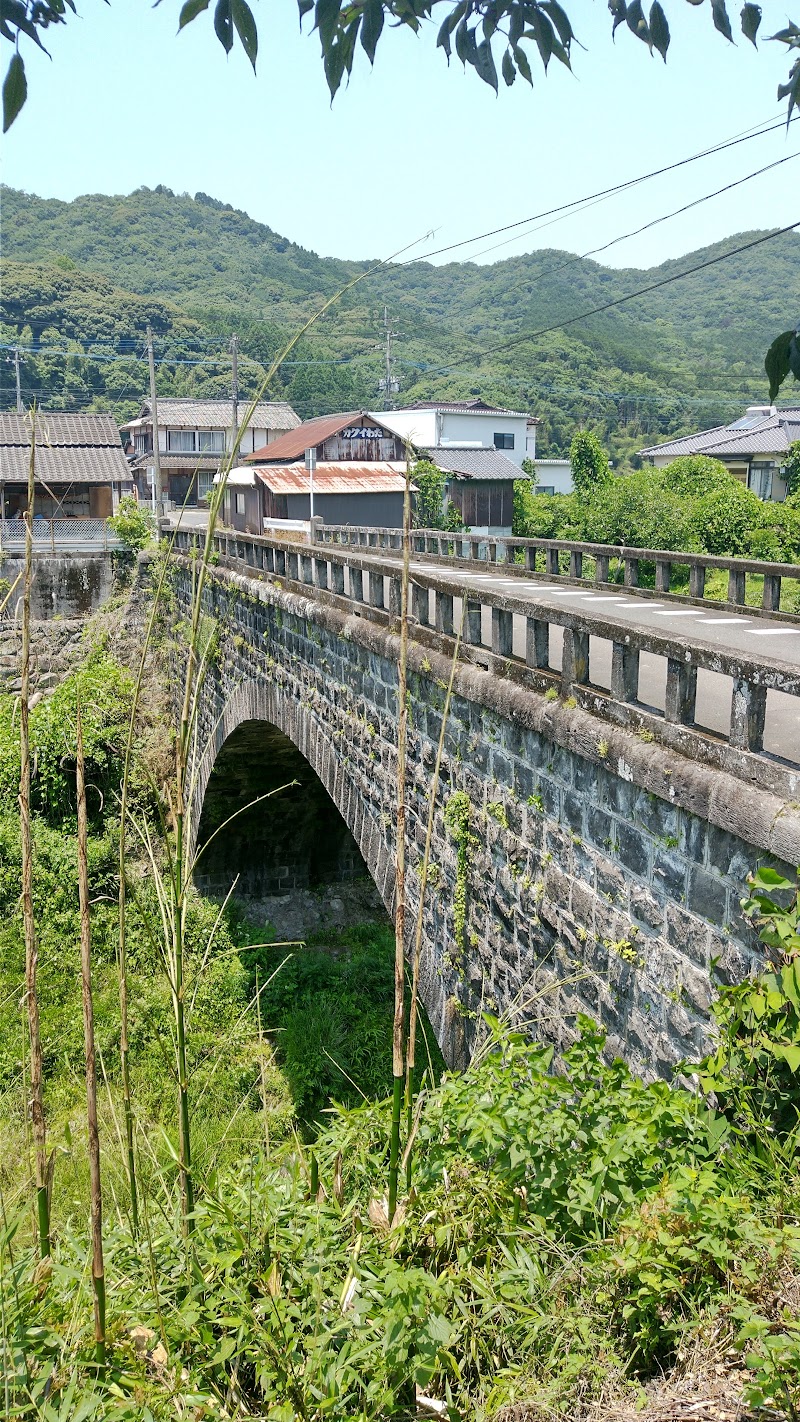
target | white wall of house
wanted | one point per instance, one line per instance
(555, 476)
(432, 427)
(173, 438)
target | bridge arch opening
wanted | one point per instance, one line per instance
(293, 842)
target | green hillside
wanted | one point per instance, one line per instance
(686, 356)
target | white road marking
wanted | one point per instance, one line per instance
(774, 632)
(726, 621)
(678, 612)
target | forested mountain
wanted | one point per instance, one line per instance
(679, 358)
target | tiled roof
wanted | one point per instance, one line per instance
(309, 435)
(342, 478)
(173, 460)
(771, 434)
(82, 449)
(468, 407)
(217, 414)
(472, 463)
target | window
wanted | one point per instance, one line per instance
(140, 443)
(205, 483)
(211, 441)
(181, 441)
(241, 501)
(503, 441)
(760, 480)
(545, 489)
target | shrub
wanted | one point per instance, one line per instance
(589, 463)
(723, 519)
(133, 524)
(637, 510)
(696, 474)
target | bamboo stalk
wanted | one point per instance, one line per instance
(400, 858)
(412, 1024)
(38, 1122)
(98, 1270)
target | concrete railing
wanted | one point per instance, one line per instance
(512, 636)
(584, 562)
(59, 535)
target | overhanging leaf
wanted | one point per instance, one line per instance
(15, 91)
(190, 11)
(371, 27)
(246, 29)
(223, 24)
(721, 20)
(751, 19)
(484, 64)
(326, 19)
(778, 361)
(637, 22)
(659, 29)
(509, 72)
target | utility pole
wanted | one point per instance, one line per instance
(389, 336)
(154, 416)
(19, 390)
(234, 348)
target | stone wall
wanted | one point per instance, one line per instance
(600, 873)
(64, 584)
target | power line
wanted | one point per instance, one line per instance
(620, 300)
(577, 203)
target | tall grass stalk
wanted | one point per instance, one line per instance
(38, 1123)
(98, 1271)
(412, 1019)
(400, 858)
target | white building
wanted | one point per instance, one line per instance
(465, 423)
(554, 476)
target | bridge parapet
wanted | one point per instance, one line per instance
(591, 563)
(516, 635)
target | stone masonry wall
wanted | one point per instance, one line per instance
(601, 875)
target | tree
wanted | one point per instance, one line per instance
(432, 508)
(791, 469)
(589, 463)
(481, 31)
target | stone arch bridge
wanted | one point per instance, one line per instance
(623, 772)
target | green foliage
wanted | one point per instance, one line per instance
(540, 31)
(457, 820)
(105, 690)
(431, 510)
(791, 468)
(133, 524)
(589, 463)
(755, 1070)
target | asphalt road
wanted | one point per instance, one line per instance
(729, 631)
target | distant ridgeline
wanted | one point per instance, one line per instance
(678, 359)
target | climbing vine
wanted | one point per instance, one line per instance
(457, 824)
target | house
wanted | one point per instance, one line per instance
(554, 476)
(753, 448)
(479, 483)
(193, 437)
(352, 465)
(433, 424)
(81, 470)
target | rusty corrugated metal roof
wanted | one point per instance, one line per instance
(341, 478)
(308, 435)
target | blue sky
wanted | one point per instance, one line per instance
(410, 145)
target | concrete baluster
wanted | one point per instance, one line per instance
(681, 692)
(537, 643)
(420, 604)
(321, 573)
(473, 631)
(663, 575)
(697, 580)
(307, 568)
(376, 589)
(575, 563)
(601, 567)
(443, 603)
(337, 578)
(502, 632)
(280, 562)
(748, 714)
(631, 566)
(530, 559)
(574, 659)
(736, 586)
(357, 584)
(395, 597)
(551, 562)
(771, 598)
(292, 571)
(624, 672)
